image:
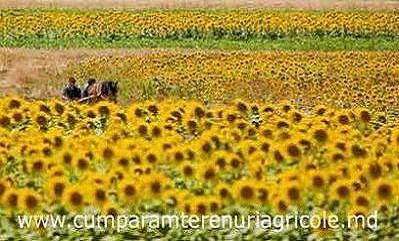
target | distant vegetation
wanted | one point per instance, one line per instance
(261, 30)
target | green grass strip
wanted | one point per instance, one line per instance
(304, 43)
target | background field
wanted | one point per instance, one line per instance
(119, 37)
(250, 4)
(344, 79)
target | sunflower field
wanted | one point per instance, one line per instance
(343, 79)
(187, 157)
(200, 131)
(195, 24)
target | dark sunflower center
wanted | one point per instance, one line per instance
(246, 192)
(76, 199)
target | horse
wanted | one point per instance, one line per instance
(105, 90)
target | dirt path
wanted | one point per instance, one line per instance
(249, 4)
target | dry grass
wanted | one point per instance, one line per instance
(250, 4)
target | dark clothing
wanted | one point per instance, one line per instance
(72, 92)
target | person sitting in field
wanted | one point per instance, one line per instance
(85, 92)
(71, 91)
(104, 90)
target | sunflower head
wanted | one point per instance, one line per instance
(74, 198)
(29, 201)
